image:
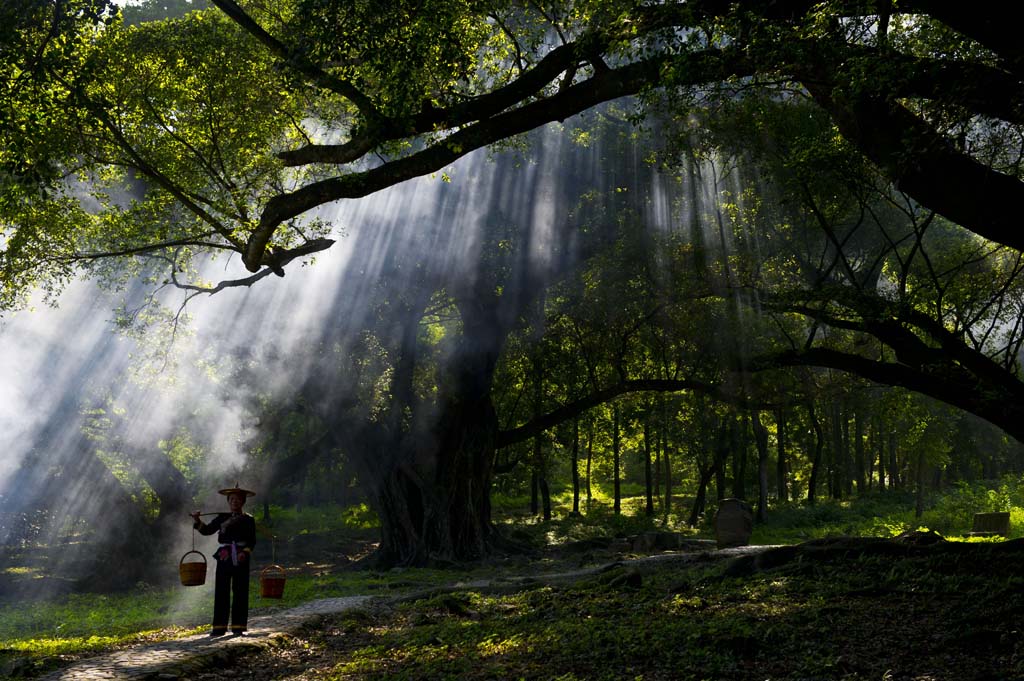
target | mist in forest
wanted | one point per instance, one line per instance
(90, 416)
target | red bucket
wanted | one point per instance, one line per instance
(272, 580)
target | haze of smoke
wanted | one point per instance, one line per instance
(58, 362)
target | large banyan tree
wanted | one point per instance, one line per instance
(238, 122)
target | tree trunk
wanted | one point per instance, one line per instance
(858, 448)
(879, 442)
(919, 492)
(616, 465)
(590, 460)
(538, 481)
(719, 454)
(545, 495)
(739, 460)
(431, 481)
(663, 457)
(894, 471)
(434, 505)
(780, 462)
(666, 459)
(835, 453)
(658, 446)
(819, 444)
(576, 466)
(761, 440)
(534, 488)
(648, 473)
(720, 477)
(848, 463)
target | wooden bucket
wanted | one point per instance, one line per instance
(272, 580)
(192, 573)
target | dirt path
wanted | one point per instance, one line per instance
(186, 657)
(183, 658)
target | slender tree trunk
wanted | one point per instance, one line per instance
(819, 444)
(700, 499)
(919, 492)
(739, 460)
(761, 441)
(720, 478)
(876, 431)
(858, 448)
(576, 466)
(659, 440)
(545, 494)
(667, 461)
(663, 455)
(615, 460)
(719, 454)
(848, 463)
(538, 483)
(534, 486)
(590, 460)
(648, 473)
(780, 462)
(835, 453)
(894, 471)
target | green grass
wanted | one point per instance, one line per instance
(83, 623)
(827, 620)
(287, 521)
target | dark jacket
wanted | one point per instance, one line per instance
(240, 529)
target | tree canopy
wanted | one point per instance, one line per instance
(143, 148)
(242, 120)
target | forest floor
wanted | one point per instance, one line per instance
(886, 609)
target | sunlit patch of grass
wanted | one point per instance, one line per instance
(87, 615)
(499, 645)
(76, 645)
(24, 570)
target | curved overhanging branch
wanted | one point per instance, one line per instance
(916, 156)
(921, 162)
(220, 286)
(948, 384)
(430, 119)
(621, 82)
(919, 341)
(984, 89)
(281, 258)
(565, 412)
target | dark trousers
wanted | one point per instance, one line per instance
(231, 594)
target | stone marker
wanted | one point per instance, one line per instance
(991, 525)
(734, 522)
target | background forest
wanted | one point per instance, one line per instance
(464, 281)
(698, 304)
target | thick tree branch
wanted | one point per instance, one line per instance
(626, 80)
(925, 165)
(430, 119)
(949, 384)
(313, 72)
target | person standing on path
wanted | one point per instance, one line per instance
(236, 534)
